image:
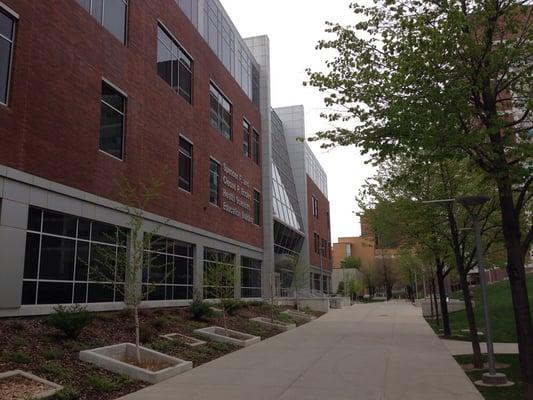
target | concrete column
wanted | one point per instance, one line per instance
(14, 199)
(238, 275)
(260, 48)
(199, 271)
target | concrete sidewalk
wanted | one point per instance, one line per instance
(380, 351)
(457, 347)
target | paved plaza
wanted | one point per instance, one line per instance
(380, 351)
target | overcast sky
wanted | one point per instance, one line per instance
(294, 28)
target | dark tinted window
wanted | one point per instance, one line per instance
(112, 14)
(214, 177)
(115, 18)
(174, 66)
(257, 207)
(185, 165)
(7, 28)
(255, 147)
(112, 121)
(221, 112)
(246, 138)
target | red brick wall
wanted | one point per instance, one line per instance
(51, 126)
(318, 225)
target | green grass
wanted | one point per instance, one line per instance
(513, 374)
(501, 311)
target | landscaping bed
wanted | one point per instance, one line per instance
(513, 374)
(29, 344)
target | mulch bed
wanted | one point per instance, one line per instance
(18, 387)
(29, 344)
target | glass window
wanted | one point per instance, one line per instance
(257, 207)
(115, 15)
(213, 258)
(250, 277)
(112, 121)
(255, 85)
(59, 250)
(112, 14)
(246, 138)
(221, 112)
(185, 165)
(214, 181)
(7, 30)
(255, 147)
(190, 8)
(174, 66)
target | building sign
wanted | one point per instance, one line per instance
(236, 194)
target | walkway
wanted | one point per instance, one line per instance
(457, 347)
(380, 351)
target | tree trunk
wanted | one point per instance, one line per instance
(474, 338)
(435, 300)
(443, 303)
(225, 320)
(137, 334)
(517, 281)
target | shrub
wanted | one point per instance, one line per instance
(19, 342)
(160, 323)
(18, 325)
(67, 393)
(53, 354)
(71, 320)
(200, 309)
(146, 334)
(102, 383)
(54, 369)
(163, 345)
(18, 357)
(232, 305)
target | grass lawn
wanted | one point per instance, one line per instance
(513, 374)
(501, 310)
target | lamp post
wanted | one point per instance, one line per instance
(474, 204)
(320, 251)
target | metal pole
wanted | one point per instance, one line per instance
(344, 279)
(416, 286)
(321, 272)
(483, 283)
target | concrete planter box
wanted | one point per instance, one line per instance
(453, 306)
(110, 358)
(53, 387)
(339, 302)
(276, 324)
(299, 314)
(320, 304)
(189, 340)
(218, 334)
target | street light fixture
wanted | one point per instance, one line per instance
(474, 204)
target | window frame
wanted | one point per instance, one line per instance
(257, 203)
(247, 137)
(124, 115)
(191, 161)
(15, 18)
(213, 87)
(211, 162)
(177, 43)
(315, 206)
(101, 20)
(256, 147)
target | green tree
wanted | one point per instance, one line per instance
(351, 262)
(440, 80)
(220, 277)
(108, 265)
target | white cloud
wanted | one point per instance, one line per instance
(294, 28)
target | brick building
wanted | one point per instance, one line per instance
(96, 93)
